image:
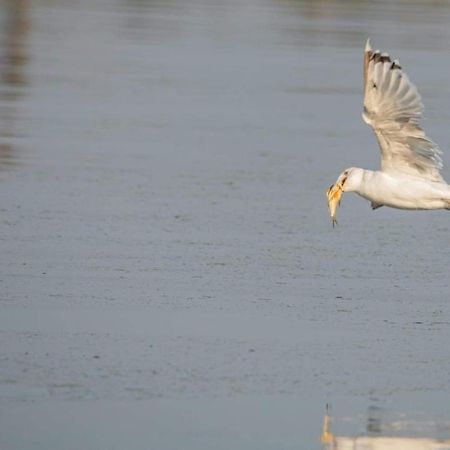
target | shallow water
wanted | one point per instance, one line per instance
(169, 274)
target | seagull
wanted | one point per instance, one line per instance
(410, 161)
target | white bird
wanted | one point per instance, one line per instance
(410, 161)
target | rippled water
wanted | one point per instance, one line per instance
(169, 274)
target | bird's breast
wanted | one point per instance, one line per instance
(405, 192)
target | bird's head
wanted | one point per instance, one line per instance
(349, 180)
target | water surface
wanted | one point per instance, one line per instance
(169, 274)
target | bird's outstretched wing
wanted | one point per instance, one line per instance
(393, 107)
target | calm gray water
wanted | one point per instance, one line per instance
(169, 275)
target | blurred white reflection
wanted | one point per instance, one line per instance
(379, 441)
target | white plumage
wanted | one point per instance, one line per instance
(410, 161)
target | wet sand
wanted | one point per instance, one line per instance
(169, 274)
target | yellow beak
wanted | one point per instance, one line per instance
(334, 194)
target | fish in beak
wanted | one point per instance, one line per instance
(334, 194)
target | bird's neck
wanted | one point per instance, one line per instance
(360, 180)
(368, 182)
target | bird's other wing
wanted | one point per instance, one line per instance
(393, 107)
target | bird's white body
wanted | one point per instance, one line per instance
(403, 191)
(410, 175)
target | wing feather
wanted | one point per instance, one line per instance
(393, 107)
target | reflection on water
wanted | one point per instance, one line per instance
(13, 57)
(385, 435)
